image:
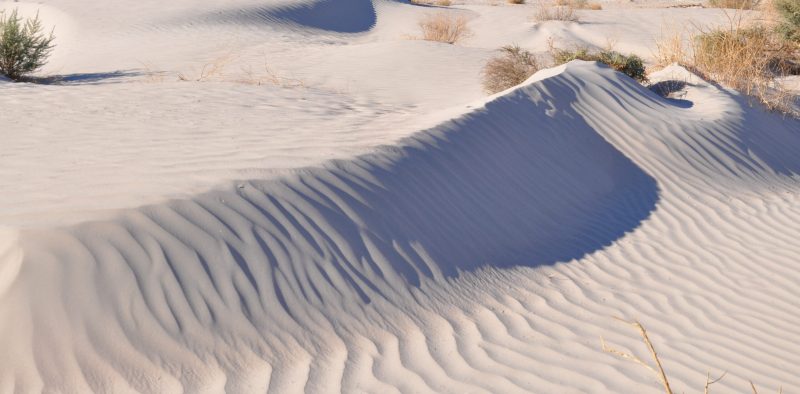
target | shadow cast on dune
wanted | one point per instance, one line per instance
(667, 89)
(522, 182)
(338, 16)
(518, 183)
(86, 78)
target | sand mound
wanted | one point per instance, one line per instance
(436, 264)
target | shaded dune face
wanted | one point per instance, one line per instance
(524, 181)
(342, 16)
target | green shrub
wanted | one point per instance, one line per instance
(789, 10)
(509, 69)
(630, 65)
(734, 4)
(23, 47)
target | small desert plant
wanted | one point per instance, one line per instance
(516, 1)
(630, 65)
(446, 28)
(512, 67)
(789, 12)
(564, 13)
(23, 47)
(734, 4)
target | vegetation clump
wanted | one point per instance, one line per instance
(789, 12)
(512, 67)
(24, 48)
(630, 65)
(734, 4)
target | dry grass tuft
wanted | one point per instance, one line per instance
(749, 60)
(670, 49)
(268, 76)
(218, 71)
(213, 70)
(564, 13)
(510, 69)
(445, 28)
(584, 5)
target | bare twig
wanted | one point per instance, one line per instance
(625, 355)
(660, 372)
(710, 382)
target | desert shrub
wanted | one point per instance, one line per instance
(516, 1)
(446, 28)
(734, 4)
(630, 65)
(564, 13)
(512, 67)
(23, 47)
(789, 12)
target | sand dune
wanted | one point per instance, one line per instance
(402, 234)
(429, 266)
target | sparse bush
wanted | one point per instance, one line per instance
(511, 68)
(564, 13)
(630, 65)
(23, 47)
(516, 1)
(734, 4)
(446, 28)
(789, 12)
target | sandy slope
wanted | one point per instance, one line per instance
(485, 253)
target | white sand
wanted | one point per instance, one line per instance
(385, 227)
